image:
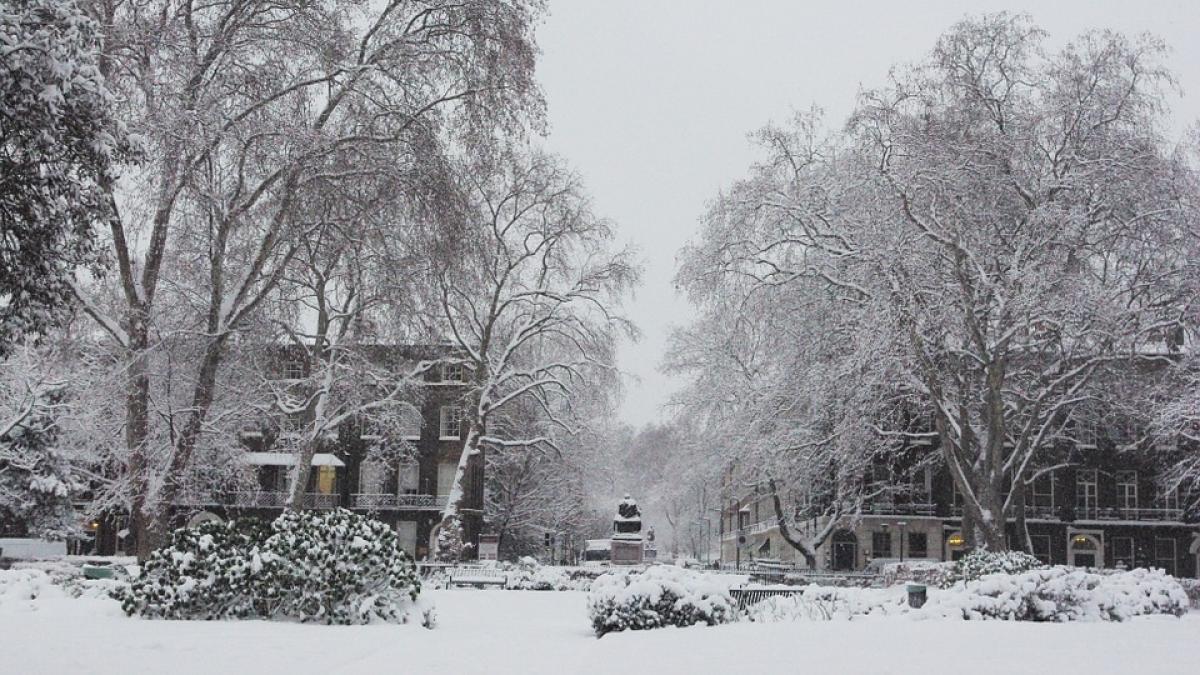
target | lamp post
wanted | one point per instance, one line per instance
(901, 525)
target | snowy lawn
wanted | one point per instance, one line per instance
(547, 632)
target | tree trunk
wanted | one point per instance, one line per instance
(806, 549)
(137, 426)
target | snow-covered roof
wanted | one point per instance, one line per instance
(597, 544)
(288, 459)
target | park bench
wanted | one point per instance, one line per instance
(476, 576)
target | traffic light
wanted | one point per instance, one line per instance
(548, 538)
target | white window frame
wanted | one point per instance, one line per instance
(1127, 487)
(453, 373)
(1033, 493)
(1085, 499)
(448, 414)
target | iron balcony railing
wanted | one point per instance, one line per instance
(1098, 513)
(390, 502)
(900, 509)
(262, 499)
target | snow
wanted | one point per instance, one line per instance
(501, 632)
(289, 459)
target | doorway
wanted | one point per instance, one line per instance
(845, 551)
(1084, 550)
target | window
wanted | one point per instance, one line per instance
(1127, 496)
(881, 544)
(410, 473)
(410, 427)
(1123, 552)
(918, 545)
(1085, 492)
(1164, 554)
(1041, 547)
(1168, 499)
(451, 421)
(957, 498)
(293, 368)
(452, 372)
(1085, 432)
(326, 483)
(1040, 494)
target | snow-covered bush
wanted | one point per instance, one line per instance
(1061, 594)
(662, 595)
(530, 575)
(339, 567)
(215, 570)
(826, 603)
(980, 563)
(335, 567)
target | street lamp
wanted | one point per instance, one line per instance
(901, 525)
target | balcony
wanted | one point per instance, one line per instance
(390, 502)
(1133, 514)
(259, 499)
(900, 509)
(1097, 513)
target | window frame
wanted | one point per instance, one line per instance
(457, 413)
(1085, 499)
(1126, 483)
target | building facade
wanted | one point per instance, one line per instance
(1102, 511)
(405, 486)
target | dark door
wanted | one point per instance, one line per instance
(844, 554)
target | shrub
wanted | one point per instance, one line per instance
(339, 567)
(662, 595)
(1062, 594)
(212, 571)
(826, 603)
(977, 564)
(335, 567)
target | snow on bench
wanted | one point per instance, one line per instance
(476, 576)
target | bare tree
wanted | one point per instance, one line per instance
(994, 234)
(530, 303)
(240, 105)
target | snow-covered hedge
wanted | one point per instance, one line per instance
(339, 567)
(334, 567)
(215, 570)
(529, 575)
(826, 603)
(662, 595)
(1049, 594)
(980, 563)
(1061, 594)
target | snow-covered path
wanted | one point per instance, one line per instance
(499, 632)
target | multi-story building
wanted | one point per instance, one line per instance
(406, 487)
(1103, 510)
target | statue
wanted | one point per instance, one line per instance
(626, 545)
(629, 519)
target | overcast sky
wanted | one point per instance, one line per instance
(652, 100)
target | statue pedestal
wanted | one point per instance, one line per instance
(627, 550)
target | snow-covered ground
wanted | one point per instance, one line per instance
(547, 632)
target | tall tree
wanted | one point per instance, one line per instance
(244, 107)
(532, 304)
(996, 232)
